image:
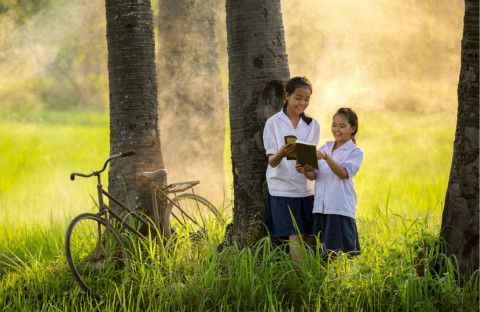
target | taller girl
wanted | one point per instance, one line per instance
(290, 193)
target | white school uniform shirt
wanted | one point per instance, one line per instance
(332, 194)
(284, 180)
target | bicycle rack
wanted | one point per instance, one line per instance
(161, 192)
(176, 187)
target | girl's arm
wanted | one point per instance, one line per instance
(275, 159)
(340, 171)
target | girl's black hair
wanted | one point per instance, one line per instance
(352, 119)
(293, 84)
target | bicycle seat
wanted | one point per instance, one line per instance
(154, 175)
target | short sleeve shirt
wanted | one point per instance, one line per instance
(332, 194)
(284, 180)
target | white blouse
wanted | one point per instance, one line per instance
(332, 194)
(284, 180)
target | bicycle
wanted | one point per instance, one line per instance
(93, 245)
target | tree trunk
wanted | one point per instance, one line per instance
(460, 224)
(191, 96)
(257, 62)
(133, 99)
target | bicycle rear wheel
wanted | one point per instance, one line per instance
(94, 253)
(192, 215)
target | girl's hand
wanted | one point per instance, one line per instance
(307, 170)
(304, 168)
(321, 155)
(287, 149)
(276, 159)
(300, 168)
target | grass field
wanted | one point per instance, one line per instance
(401, 187)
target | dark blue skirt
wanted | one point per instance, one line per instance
(337, 233)
(278, 216)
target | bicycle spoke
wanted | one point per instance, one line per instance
(193, 215)
(94, 253)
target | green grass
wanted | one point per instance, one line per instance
(36, 195)
(401, 187)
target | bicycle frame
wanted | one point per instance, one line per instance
(158, 193)
(175, 188)
(104, 210)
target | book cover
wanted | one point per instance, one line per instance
(306, 154)
(291, 139)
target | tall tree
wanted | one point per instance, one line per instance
(460, 224)
(133, 98)
(257, 59)
(191, 96)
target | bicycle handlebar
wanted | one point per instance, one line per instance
(119, 155)
(126, 154)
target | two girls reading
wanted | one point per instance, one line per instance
(291, 208)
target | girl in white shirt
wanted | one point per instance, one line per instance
(290, 193)
(335, 201)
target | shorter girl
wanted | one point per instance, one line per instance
(335, 202)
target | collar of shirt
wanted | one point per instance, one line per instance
(284, 117)
(346, 146)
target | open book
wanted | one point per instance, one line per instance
(305, 153)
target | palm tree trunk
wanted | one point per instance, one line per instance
(133, 98)
(256, 60)
(191, 96)
(460, 224)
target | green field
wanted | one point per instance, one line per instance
(401, 188)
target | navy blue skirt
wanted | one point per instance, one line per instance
(337, 233)
(279, 212)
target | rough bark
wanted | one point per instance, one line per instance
(133, 99)
(460, 221)
(256, 59)
(191, 96)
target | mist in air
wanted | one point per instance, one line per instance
(376, 55)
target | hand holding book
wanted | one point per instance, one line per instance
(304, 169)
(290, 141)
(305, 153)
(287, 150)
(307, 170)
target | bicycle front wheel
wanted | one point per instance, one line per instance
(192, 215)
(94, 253)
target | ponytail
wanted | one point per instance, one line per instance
(304, 117)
